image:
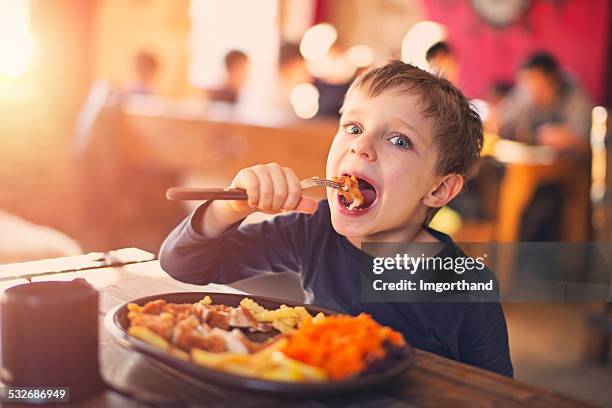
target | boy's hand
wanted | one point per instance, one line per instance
(271, 188)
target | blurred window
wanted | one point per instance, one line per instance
(15, 38)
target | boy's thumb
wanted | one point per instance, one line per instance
(306, 205)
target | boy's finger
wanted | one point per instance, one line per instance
(294, 193)
(247, 179)
(265, 187)
(306, 205)
(280, 185)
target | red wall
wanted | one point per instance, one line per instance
(575, 31)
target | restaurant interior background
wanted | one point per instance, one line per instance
(104, 104)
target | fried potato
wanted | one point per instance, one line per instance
(283, 319)
(178, 353)
(217, 360)
(304, 372)
(206, 301)
(268, 363)
(266, 353)
(148, 336)
(133, 307)
(252, 306)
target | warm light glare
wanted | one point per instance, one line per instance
(360, 55)
(333, 68)
(305, 100)
(317, 41)
(15, 38)
(600, 115)
(417, 41)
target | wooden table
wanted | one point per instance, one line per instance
(526, 169)
(432, 382)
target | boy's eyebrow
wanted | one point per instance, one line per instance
(409, 126)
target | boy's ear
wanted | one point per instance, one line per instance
(444, 191)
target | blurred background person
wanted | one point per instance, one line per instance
(442, 60)
(146, 68)
(292, 68)
(497, 93)
(333, 81)
(548, 107)
(236, 73)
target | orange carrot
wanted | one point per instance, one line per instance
(342, 345)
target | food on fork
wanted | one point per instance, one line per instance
(292, 345)
(350, 190)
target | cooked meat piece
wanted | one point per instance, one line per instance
(218, 319)
(233, 339)
(182, 333)
(243, 318)
(160, 324)
(154, 307)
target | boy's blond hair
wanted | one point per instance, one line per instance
(457, 128)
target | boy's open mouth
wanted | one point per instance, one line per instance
(350, 199)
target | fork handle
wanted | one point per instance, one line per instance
(193, 193)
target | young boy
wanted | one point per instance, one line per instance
(410, 138)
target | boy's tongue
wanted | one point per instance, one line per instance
(368, 197)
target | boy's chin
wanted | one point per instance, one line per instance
(348, 226)
(348, 229)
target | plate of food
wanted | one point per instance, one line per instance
(261, 344)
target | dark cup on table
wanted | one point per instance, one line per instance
(49, 337)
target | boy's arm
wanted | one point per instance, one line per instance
(209, 246)
(239, 252)
(483, 338)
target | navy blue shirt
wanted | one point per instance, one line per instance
(471, 332)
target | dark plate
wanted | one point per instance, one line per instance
(116, 322)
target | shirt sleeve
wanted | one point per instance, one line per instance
(483, 338)
(577, 114)
(241, 252)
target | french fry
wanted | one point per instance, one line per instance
(318, 318)
(133, 307)
(216, 360)
(266, 352)
(252, 306)
(178, 353)
(206, 301)
(297, 368)
(149, 337)
(280, 374)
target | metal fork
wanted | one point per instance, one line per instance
(194, 193)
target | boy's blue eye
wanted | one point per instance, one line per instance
(401, 142)
(352, 129)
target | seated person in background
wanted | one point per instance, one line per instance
(442, 61)
(333, 84)
(496, 95)
(237, 69)
(146, 67)
(547, 108)
(292, 67)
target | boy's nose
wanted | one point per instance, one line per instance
(363, 149)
